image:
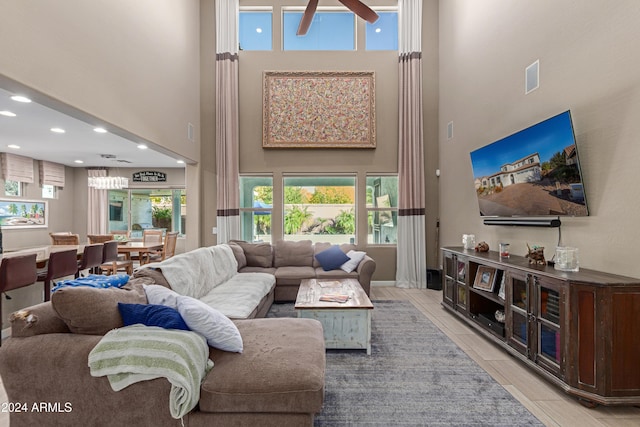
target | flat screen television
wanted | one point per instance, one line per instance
(534, 172)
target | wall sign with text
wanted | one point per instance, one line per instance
(149, 176)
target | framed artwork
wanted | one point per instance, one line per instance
(323, 109)
(16, 213)
(485, 278)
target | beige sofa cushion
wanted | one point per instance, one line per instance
(293, 254)
(293, 275)
(280, 370)
(238, 252)
(257, 254)
(94, 311)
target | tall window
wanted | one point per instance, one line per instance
(321, 209)
(328, 31)
(383, 34)
(140, 209)
(256, 204)
(255, 29)
(382, 210)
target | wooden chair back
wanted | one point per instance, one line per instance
(64, 238)
(170, 241)
(99, 238)
(152, 236)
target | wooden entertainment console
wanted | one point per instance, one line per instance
(579, 330)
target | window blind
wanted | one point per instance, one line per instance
(51, 173)
(17, 168)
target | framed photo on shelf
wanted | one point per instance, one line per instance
(501, 290)
(485, 278)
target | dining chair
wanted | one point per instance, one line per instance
(152, 236)
(99, 238)
(60, 264)
(167, 251)
(65, 238)
(16, 272)
(110, 262)
(91, 258)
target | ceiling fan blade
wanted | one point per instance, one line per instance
(361, 9)
(307, 17)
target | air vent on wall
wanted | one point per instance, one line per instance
(123, 161)
(108, 156)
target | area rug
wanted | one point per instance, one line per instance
(415, 376)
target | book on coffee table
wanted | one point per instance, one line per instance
(329, 283)
(334, 298)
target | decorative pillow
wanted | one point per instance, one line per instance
(238, 252)
(332, 258)
(257, 254)
(219, 331)
(160, 295)
(354, 260)
(151, 315)
(94, 311)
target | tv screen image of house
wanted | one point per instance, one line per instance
(534, 172)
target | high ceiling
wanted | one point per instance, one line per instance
(30, 129)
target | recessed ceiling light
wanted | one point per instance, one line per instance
(142, 146)
(181, 161)
(14, 146)
(20, 98)
(7, 113)
(58, 130)
(100, 130)
(78, 161)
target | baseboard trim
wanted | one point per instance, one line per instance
(383, 283)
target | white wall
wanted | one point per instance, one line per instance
(589, 63)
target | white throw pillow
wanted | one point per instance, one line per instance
(354, 259)
(160, 295)
(217, 328)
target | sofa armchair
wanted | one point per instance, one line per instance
(291, 262)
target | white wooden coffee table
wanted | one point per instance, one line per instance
(346, 325)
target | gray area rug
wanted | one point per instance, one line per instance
(415, 376)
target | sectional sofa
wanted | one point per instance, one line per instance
(277, 380)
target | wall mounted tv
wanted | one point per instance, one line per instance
(532, 173)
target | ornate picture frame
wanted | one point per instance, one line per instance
(320, 109)
(19, 213)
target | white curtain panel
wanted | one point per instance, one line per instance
(97, 206)
(411, 269)
(227, 127)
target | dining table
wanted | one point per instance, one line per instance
(132, 246)
(42, 252)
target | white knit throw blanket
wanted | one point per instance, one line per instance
(139, 353)
(197, 272)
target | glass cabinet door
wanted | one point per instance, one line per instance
(461, 283)
(518, 299)
(548, 313)
(449, 274)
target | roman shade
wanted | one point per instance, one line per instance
(51, 173)
(17, 168)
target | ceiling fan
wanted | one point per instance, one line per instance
(356, 6)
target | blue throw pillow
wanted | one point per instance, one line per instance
(152, 315)
(332, 258)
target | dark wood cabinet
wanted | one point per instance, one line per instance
(580, 330)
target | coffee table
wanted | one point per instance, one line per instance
(346, 325)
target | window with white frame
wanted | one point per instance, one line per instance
(256, 206)
(255, 28)
(320, 208)
(382, 209)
